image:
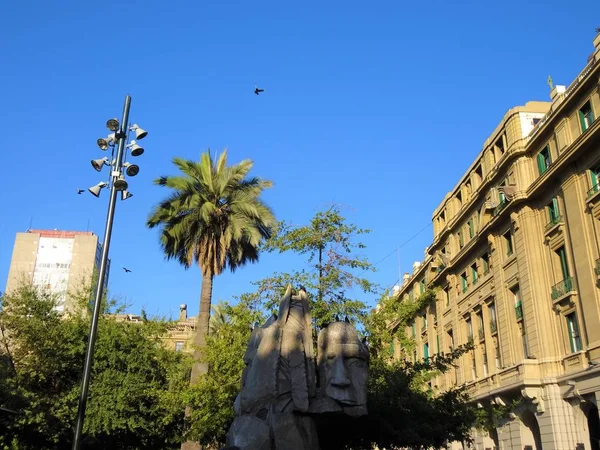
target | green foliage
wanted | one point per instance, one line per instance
(400, 414)
(335, 267)
(133, 385)
(214, 215)
(387, 325)
(211, 399)
(489, 416)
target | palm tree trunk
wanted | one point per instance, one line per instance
(200, 368)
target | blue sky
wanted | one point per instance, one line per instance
(379, 108)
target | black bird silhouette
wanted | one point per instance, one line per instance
(80, 191)
(126, 269)
(257, 90)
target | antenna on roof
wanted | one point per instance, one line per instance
(30, 224)
(550, 82)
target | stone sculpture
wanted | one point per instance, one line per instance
(280, 393)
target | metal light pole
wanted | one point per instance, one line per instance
(116, 184)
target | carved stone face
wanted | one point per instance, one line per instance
(343, 364)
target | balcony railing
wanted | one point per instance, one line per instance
(595, 188)
(500, 207)
(562, 288)
(423, 328)
(481, 333)
(519, 311)
(553, 222)
(493, 326)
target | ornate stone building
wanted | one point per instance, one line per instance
(516, 258)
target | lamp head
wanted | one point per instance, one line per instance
(106, 142)
(120, 184)
(112, 124)
(99, 163)
(140, 133)
(131, 169)
(95, 190)
(135, 149)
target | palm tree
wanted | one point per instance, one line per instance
(219, 318)
(214, 218)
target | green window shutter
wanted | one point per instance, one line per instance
(541, 163)
(594, 176)
(563, 262)
(555, 210)
(426, 351)
(582, 121)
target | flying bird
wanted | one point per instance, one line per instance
(80, 191)
(126, 269)
(257, 90)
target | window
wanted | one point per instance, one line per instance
(461, 240)
(553, 212)
(508, 242)
(473, 366)
(595, 178)
(463, 281)
(450, 340)
(447, 296)
(469, 329)
(485, 259)
(426, 351)
(573, 330)
(474, 273)
(497, 355)
(485, 364)
(481, 329)
(471, 225)
(178, 346)
(493, 319)
(586, 116)
(544, 160)
(479, 174)
(517, 299)
(422, 286)
(500, 146)
(564, 267)
(424, 321)
(414, 329)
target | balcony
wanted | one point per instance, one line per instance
(595, 188)
(519, 311)
(493, 326)
(498, 209)
(562, 288)
(553, 222)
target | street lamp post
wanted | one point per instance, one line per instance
(116, 183)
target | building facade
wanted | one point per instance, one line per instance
(56, 260)
(516, 260)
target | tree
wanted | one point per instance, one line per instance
(215, 218)
(335, 266)
(404, 411)
(136, 384)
